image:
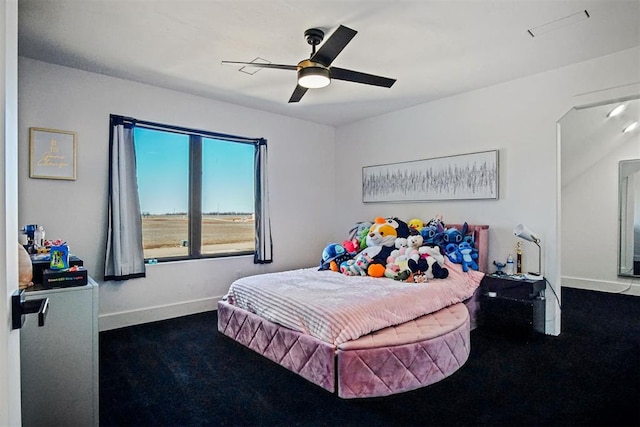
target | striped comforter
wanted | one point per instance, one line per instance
(336, 308)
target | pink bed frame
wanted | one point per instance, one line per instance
(361, 368)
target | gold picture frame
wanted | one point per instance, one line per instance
(52, 154)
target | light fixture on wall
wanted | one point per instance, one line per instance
(619, 109)
(313, 75)
(523, 232)
(631, 127)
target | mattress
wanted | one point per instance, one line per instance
(336, 308)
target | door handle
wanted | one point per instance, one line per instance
(21, 307)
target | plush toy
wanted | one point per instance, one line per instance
(464, 253)
(433, 234)
(351, 246)
(415, 224)
(332, 256)
(451, 250)
(430, 263)
(397, 268)
(402, 229)
(356, 230)
(380, 243)
(453, 235)
(499, 267)
(436, 221)
(397, 263)
(469, 254)
(357, 266)
(401, 246)
(414, 242)
(432, 251)
(362, 232)
(417, 278)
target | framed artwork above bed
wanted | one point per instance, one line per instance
(461, 177)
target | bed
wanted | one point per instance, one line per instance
(370, 352)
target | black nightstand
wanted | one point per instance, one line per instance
(513, 303)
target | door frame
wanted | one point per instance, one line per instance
(10, 403)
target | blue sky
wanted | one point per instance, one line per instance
(163, 182)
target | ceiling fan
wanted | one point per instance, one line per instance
(317, 72)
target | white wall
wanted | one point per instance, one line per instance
(519, 119)
(590, 222)
(301, 174)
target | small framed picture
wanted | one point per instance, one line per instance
(52, 154)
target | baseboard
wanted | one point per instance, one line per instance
(123, 319)
(624, 286)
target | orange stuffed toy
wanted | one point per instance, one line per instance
(381, 241)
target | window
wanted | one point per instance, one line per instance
(196, 194)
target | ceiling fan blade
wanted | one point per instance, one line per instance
(298, 93)
(358, 77)
(256, 64)
(333, 45)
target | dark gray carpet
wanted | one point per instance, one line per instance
(182, 372)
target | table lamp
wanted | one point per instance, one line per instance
(525, 233)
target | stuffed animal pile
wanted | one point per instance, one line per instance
(411, 251)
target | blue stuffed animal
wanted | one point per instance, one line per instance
(453, 235)
(463, 253)
(333, 255)
(432, 234)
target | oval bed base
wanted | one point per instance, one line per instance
(390, 361)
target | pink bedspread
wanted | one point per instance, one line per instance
(336, 308)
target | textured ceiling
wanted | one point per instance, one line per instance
(433, 48)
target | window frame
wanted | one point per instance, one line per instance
(194, 234)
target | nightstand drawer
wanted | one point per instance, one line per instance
(497, 308)
(506, 287)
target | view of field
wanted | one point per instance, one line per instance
(166, 235)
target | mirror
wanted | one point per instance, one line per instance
(629, 186)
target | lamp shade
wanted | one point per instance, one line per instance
(313, 77)
(523, 232)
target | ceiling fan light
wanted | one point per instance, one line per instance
(313, 77)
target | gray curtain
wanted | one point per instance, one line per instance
(124, 255)
(264, 245)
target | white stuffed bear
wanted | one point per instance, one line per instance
(401, 247)
(414, 243)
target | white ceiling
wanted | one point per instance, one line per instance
(433, 48)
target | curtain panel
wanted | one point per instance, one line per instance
(124, 253)
(264, 244)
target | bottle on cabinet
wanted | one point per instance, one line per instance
(509, 269)
(38, 237)
(518, 258)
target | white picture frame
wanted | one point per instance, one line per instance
(470, 176)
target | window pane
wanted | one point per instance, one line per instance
(162, 160)
(227, 197)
